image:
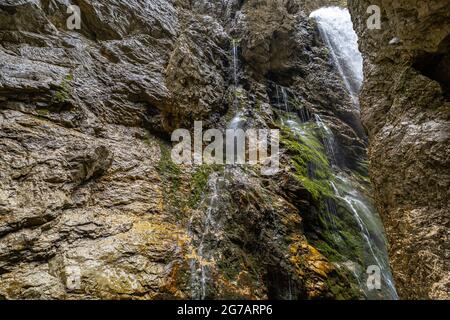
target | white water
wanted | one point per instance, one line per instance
(358, 205)
(371, 230)
(238, 120)
(235, 64)
(285, 100)
(349, 64)
(363, 213)
(336, 28)
(207, 229)
(328, 139)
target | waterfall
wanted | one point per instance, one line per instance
(238, 120)
(285, 100)
(358, 207)
(202, 258)
(235, 63)
(371, 230)
(336, 28)
(278, 95)
(327, 138)
(207, 229)
(363, 212)
(213, 197)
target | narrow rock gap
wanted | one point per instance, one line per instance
(436, 66)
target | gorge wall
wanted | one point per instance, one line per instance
(92, 206)
(405, 109)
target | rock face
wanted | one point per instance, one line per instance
(92, 206)
(405, 108)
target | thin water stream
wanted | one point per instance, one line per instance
(210, 226)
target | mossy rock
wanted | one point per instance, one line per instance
(310, 162)
(170, 174)
(62, 95)
(43, 112)
(198, 182)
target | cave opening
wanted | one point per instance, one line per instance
(436, 66)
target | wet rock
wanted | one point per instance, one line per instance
(405, 109)
(91, 205)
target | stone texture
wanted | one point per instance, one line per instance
(282, 45)
(310, 5)
(405, 108)
(92, 207)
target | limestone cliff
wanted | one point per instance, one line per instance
(92, 206)
(405, 108)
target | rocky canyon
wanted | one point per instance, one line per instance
(405, 109)
(93, 206)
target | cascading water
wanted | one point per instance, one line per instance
(283, 103)
(280, 101)
(209, 227)
(238, 119)
(285, 100)
(206, 230)
(327, 138)
(371, 230)
(213, 198)
(357, 206)
(336, 28)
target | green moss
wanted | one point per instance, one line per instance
(240, 94)
(241, 98)
(340, 240)
(308, 157)
(343, 286)
(69, 77)
(199, 180)
(60, 96)
(174, 196)
(170, 174)
(258, 105)
(338, 236)
(43, 112)
(353, 242)
(168, 169)
(235, 41)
